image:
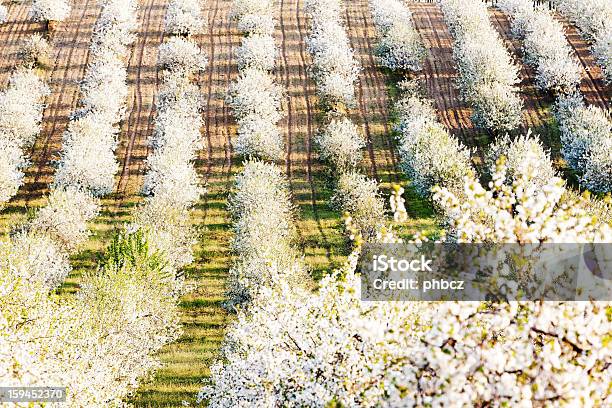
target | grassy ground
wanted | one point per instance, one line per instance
(186, 362)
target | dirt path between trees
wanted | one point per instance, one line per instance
(319, 227)
(372, 95)
(187, 361)
(592, 84)
(143, 80)
(440, 73)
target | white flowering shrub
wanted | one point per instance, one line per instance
(258, 136)
(181, 56)
(544, 45)
(256, 101)
(168, 228)
(21, 109)
(257, 51)
(21, 106)
(602, 49)
(88, 158)
(104, 89)
(359, 196)
(261, 191)
(175, 140)
(12, 164)
(254, 17)
(184, 17)
(400, 47)
(36, 259)
(255, 98)
(255, 92)
(65, 216)
(497, 107)
(586, 140)
(429, 154)
(594, 20)
(334, 68)
(114, 30)
(522, 211)
(256, 24)
(103, 339)
(341, 144)
(171, 183)
(242, 8)
(35, 51)
(264, 231)
(296, 348)
(50, 10)
(487, 75)
(524, 154)
(299, 349)
(42, 245)
(3, 14)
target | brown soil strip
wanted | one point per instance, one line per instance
(143, 80)
(318, 225)
(372, 94)
(592, 84)
(440, 74)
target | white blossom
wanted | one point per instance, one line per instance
(594, 20)
(179, 55)
(257, 51)
(258, 136)
(400, 46)
(545, 46)
(88, 158)
(256, 101)
(50, 10)
(358, 196)
(586, 140)
(184, 17)
(65, 216)
(102, 340)
(523, 154)
(104, 89)
(262, 24)
(264, 231)
(21, 109)
(242, 8)
(334, 68)
(255, 92)
(429, 154)
(114, 29)
(297, 348)
(35, 51)
(341, 144)
(171, 183)
(487, 75)
(3, 14)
